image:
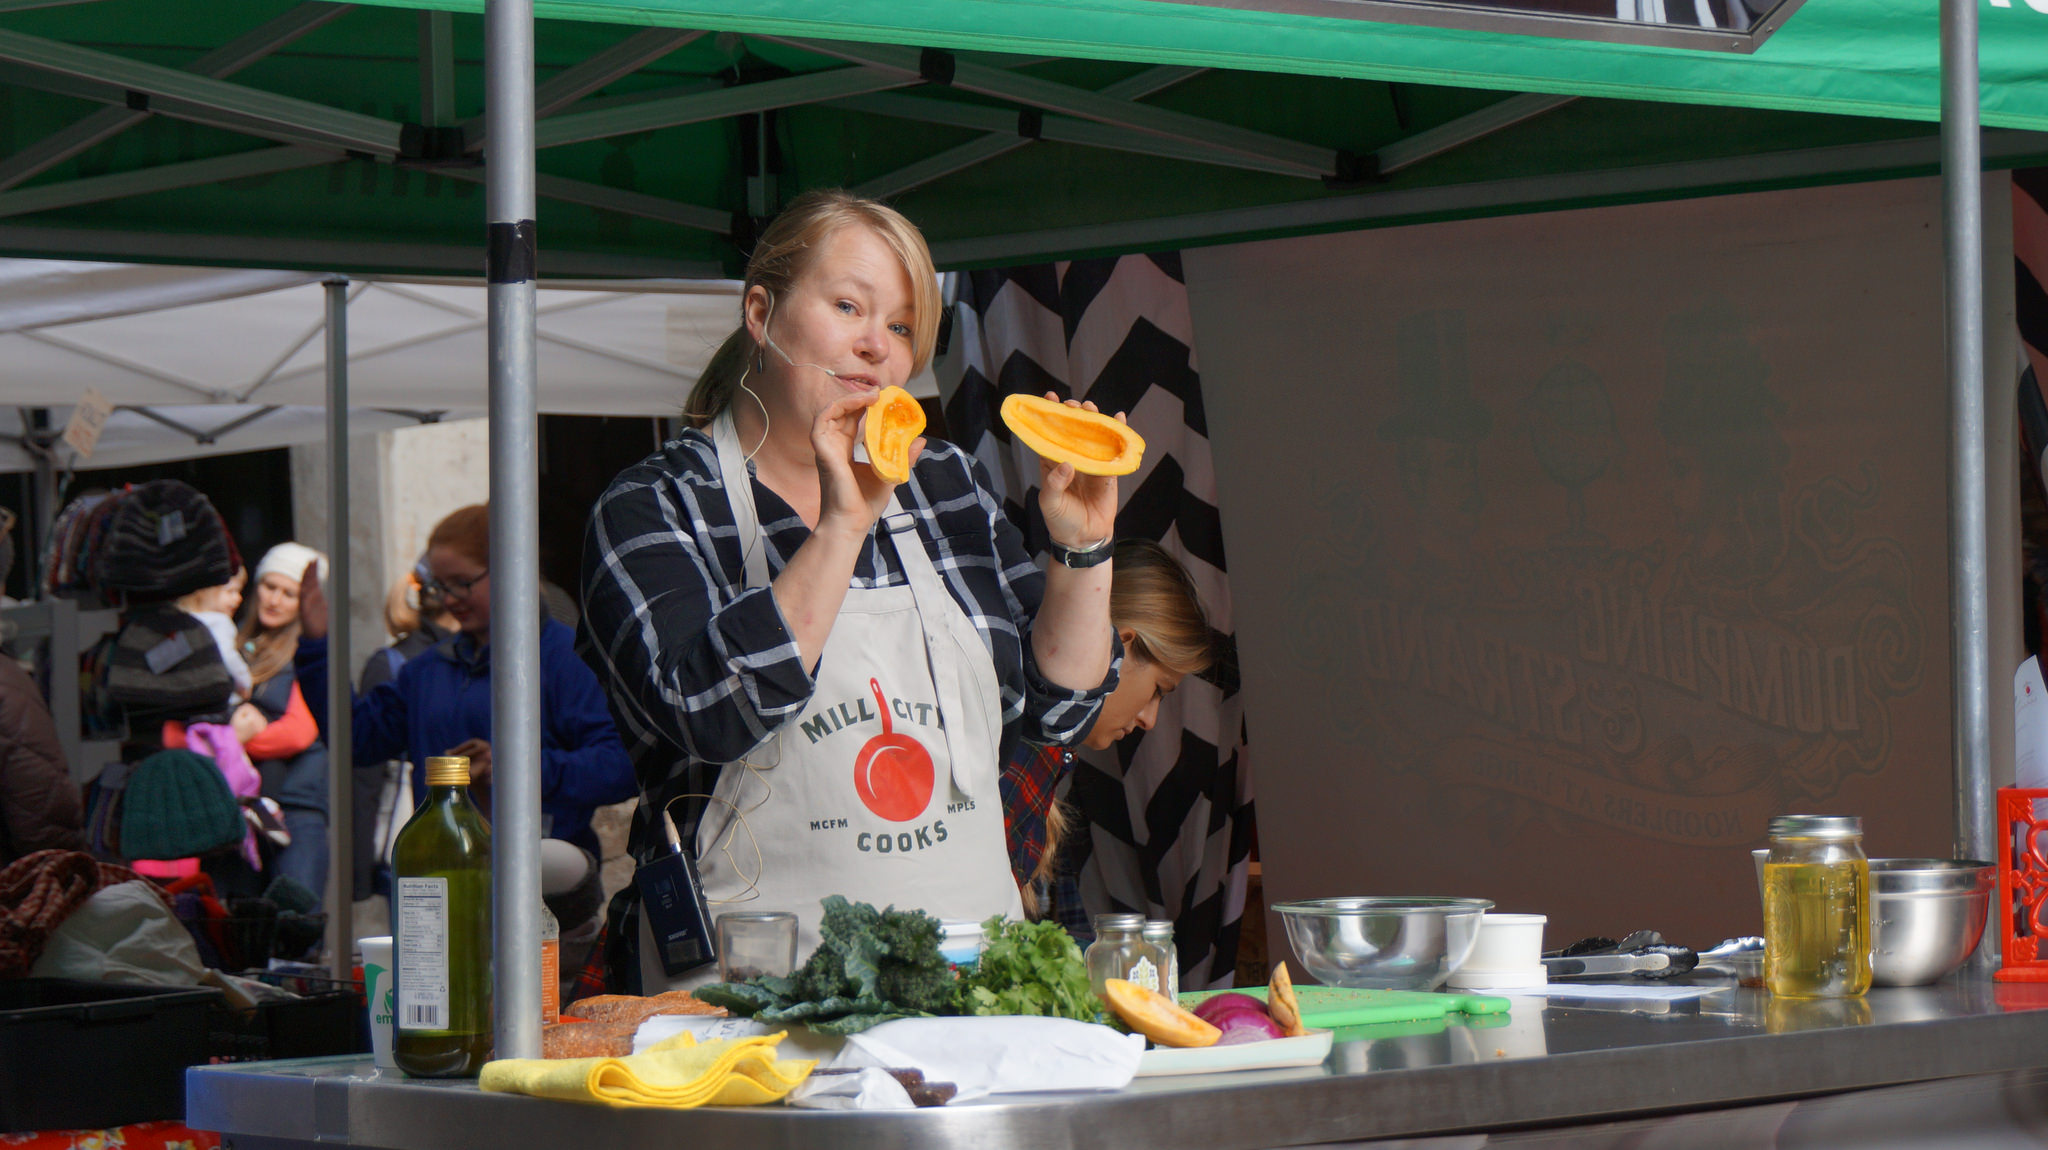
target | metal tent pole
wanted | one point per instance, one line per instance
(515, 527)
(340, 896)
(1969, 574)
(42, 498)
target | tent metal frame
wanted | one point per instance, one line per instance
(218, 64)
(310, 134)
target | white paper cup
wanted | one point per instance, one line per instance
(377, 982)
(1508, 953)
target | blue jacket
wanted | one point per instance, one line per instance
(442, 697)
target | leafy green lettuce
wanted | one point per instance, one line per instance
(1029, 968)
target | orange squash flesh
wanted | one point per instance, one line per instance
(895, 420)
(1094, 443)
(1281, 1003)
(1156, 1016)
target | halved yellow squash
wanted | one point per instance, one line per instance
(1094, 443)
(895, 420)
(1156, 1016)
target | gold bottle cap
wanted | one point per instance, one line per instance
(448, 771)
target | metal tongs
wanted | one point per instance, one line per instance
(1643, 954)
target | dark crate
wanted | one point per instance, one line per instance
(314, 1026)
(89, 1055)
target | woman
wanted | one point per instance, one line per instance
(1166, 638)
(836, 662)
(440, 701)
(416, 620)
(282, 739)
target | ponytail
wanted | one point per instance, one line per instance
(721, 379)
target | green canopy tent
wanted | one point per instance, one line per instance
(162, 132)
(345, 137)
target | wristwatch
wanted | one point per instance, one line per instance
(1080, 558)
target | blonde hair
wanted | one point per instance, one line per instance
(785, 253)
(1151, 593)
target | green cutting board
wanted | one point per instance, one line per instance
(1329, 1007)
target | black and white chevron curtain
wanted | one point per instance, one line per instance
(2030, 275)
(1168, 813)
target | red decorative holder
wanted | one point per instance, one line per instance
(2022, 907)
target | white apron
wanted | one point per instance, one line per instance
(884, 789)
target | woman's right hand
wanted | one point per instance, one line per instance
(851, 495)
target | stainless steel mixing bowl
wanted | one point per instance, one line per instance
(1383, 943)
(1926, 915)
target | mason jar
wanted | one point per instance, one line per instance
(1159, 932)
(1120, 951)
(1817, 908)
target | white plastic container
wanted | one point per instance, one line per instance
(961, 942)
(1507, 954)
(377, 982)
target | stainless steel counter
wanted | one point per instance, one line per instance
(1549, 1063)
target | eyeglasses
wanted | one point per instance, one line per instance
(458, 586)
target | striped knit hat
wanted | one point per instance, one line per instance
(164, 539)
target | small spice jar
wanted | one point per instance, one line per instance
(1817, 908)
(1159, 932)
(1121, 951)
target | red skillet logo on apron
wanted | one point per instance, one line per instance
(893, 772)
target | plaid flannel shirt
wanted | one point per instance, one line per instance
(1029, 783)
(700, 668)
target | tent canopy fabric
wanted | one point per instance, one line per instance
(210, 360)
(333, 137)
(1840, 57)
(232, 337)
(162, 434)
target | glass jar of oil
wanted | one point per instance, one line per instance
(1817, 908)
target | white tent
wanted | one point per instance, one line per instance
(210, 360)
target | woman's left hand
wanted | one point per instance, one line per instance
(1079, 509)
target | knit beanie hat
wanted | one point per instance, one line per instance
(164, 539)
(289, 560)
(178, 805)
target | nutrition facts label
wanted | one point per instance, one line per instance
(422, 953)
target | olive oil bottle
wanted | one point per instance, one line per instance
(442, 930)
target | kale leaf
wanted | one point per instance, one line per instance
(870, 967)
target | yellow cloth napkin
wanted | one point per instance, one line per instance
(678, 1072)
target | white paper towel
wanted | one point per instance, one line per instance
(1001, 1055)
